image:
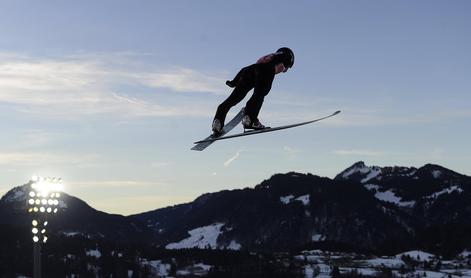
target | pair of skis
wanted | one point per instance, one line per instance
(203, 144)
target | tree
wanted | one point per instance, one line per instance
(316, 270)
(438, 266)
(386, 273)
(335, 273)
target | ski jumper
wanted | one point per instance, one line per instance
(258, 76)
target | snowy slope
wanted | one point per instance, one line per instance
(203, 237)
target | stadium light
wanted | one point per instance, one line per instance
(43, 202)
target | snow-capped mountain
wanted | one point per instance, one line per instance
(285, 211)
(380, 209)
(369, 207)
(75, 217)
(430, 192)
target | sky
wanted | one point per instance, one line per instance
(111, 95)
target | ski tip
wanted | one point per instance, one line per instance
(199, 147)
(337, 112)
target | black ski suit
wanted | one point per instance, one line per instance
(258, 76)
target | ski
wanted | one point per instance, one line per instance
(269, 129)
(203, 144)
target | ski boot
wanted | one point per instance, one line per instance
(217, 126)
(249, 124)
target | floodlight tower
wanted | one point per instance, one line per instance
(43, 202)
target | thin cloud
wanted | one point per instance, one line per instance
(293, 106)
(232, 159)
(82, 86)
(161, 164)
(38, 138)
(184, 80)
(141, 203)
(114, 184)
(361, 152)
(41, 158)
(290, 151)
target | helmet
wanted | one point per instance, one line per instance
(287, 56)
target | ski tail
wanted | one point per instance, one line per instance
(203, 144)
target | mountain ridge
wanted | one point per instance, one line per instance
(383, 209)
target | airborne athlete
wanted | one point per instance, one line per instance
(258, 76)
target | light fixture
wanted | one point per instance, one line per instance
(43, 201)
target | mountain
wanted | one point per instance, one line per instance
(364, 208)
(285, 211)
(436, 199)
(431, 194)
(380, 209)
(75, 217)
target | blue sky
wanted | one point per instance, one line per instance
(110, 95)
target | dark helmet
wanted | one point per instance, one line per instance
(287, 56)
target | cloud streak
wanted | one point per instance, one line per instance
(295, 106)
(232, 159)
(362, 152)
(184, 80)
(42, 158)
(141, 203)
(114, 184)
(115, 84)
(291, 151)
(162, 164)
(74, 86)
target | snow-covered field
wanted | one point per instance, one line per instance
(319, 263)
(157, 268)
(390, 196)
(304, 199)
(93, 253)
(204, 238)
(309, 263)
